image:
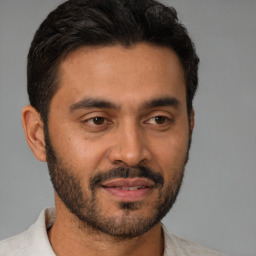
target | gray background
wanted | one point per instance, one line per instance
(217, 205)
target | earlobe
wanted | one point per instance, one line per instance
(34, 132)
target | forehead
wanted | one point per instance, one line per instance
(121, 74)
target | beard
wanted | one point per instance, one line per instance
(87, 209)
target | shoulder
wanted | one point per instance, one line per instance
(175, 245)
(14, 245)
(33, 241)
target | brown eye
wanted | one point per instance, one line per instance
(97, 124)
(160, 119)
(98, 120)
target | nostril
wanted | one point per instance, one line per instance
(119, 162)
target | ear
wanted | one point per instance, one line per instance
(191, 122)
(34, 132)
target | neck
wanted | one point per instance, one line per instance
(67, 237)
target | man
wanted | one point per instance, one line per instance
(111, 85)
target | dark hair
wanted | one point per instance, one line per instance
(77, 23)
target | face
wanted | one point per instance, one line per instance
(118, 136)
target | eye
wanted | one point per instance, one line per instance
(96, 121)
(159, 120)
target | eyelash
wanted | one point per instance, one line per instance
(166, 120)
(104, 123)
(95, 119)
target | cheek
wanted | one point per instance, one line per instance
(174, 144)
(172, 154)
(79, 152)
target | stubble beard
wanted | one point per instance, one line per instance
(87, 210)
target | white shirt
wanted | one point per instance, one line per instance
(35, 242)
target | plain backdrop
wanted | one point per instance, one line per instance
(217, 203)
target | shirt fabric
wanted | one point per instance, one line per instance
(35, 242)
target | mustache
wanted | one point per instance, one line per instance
(127, 172)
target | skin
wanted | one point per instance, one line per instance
(130, 135)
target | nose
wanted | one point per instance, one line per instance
(129, 147)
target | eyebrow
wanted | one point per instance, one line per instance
(162, 102)
(88, 103)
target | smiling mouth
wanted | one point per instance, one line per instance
(129, 189)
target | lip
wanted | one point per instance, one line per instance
(129, 189)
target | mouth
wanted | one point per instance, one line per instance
(128, 190)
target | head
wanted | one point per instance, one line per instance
(78, 23)
(112, 83)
